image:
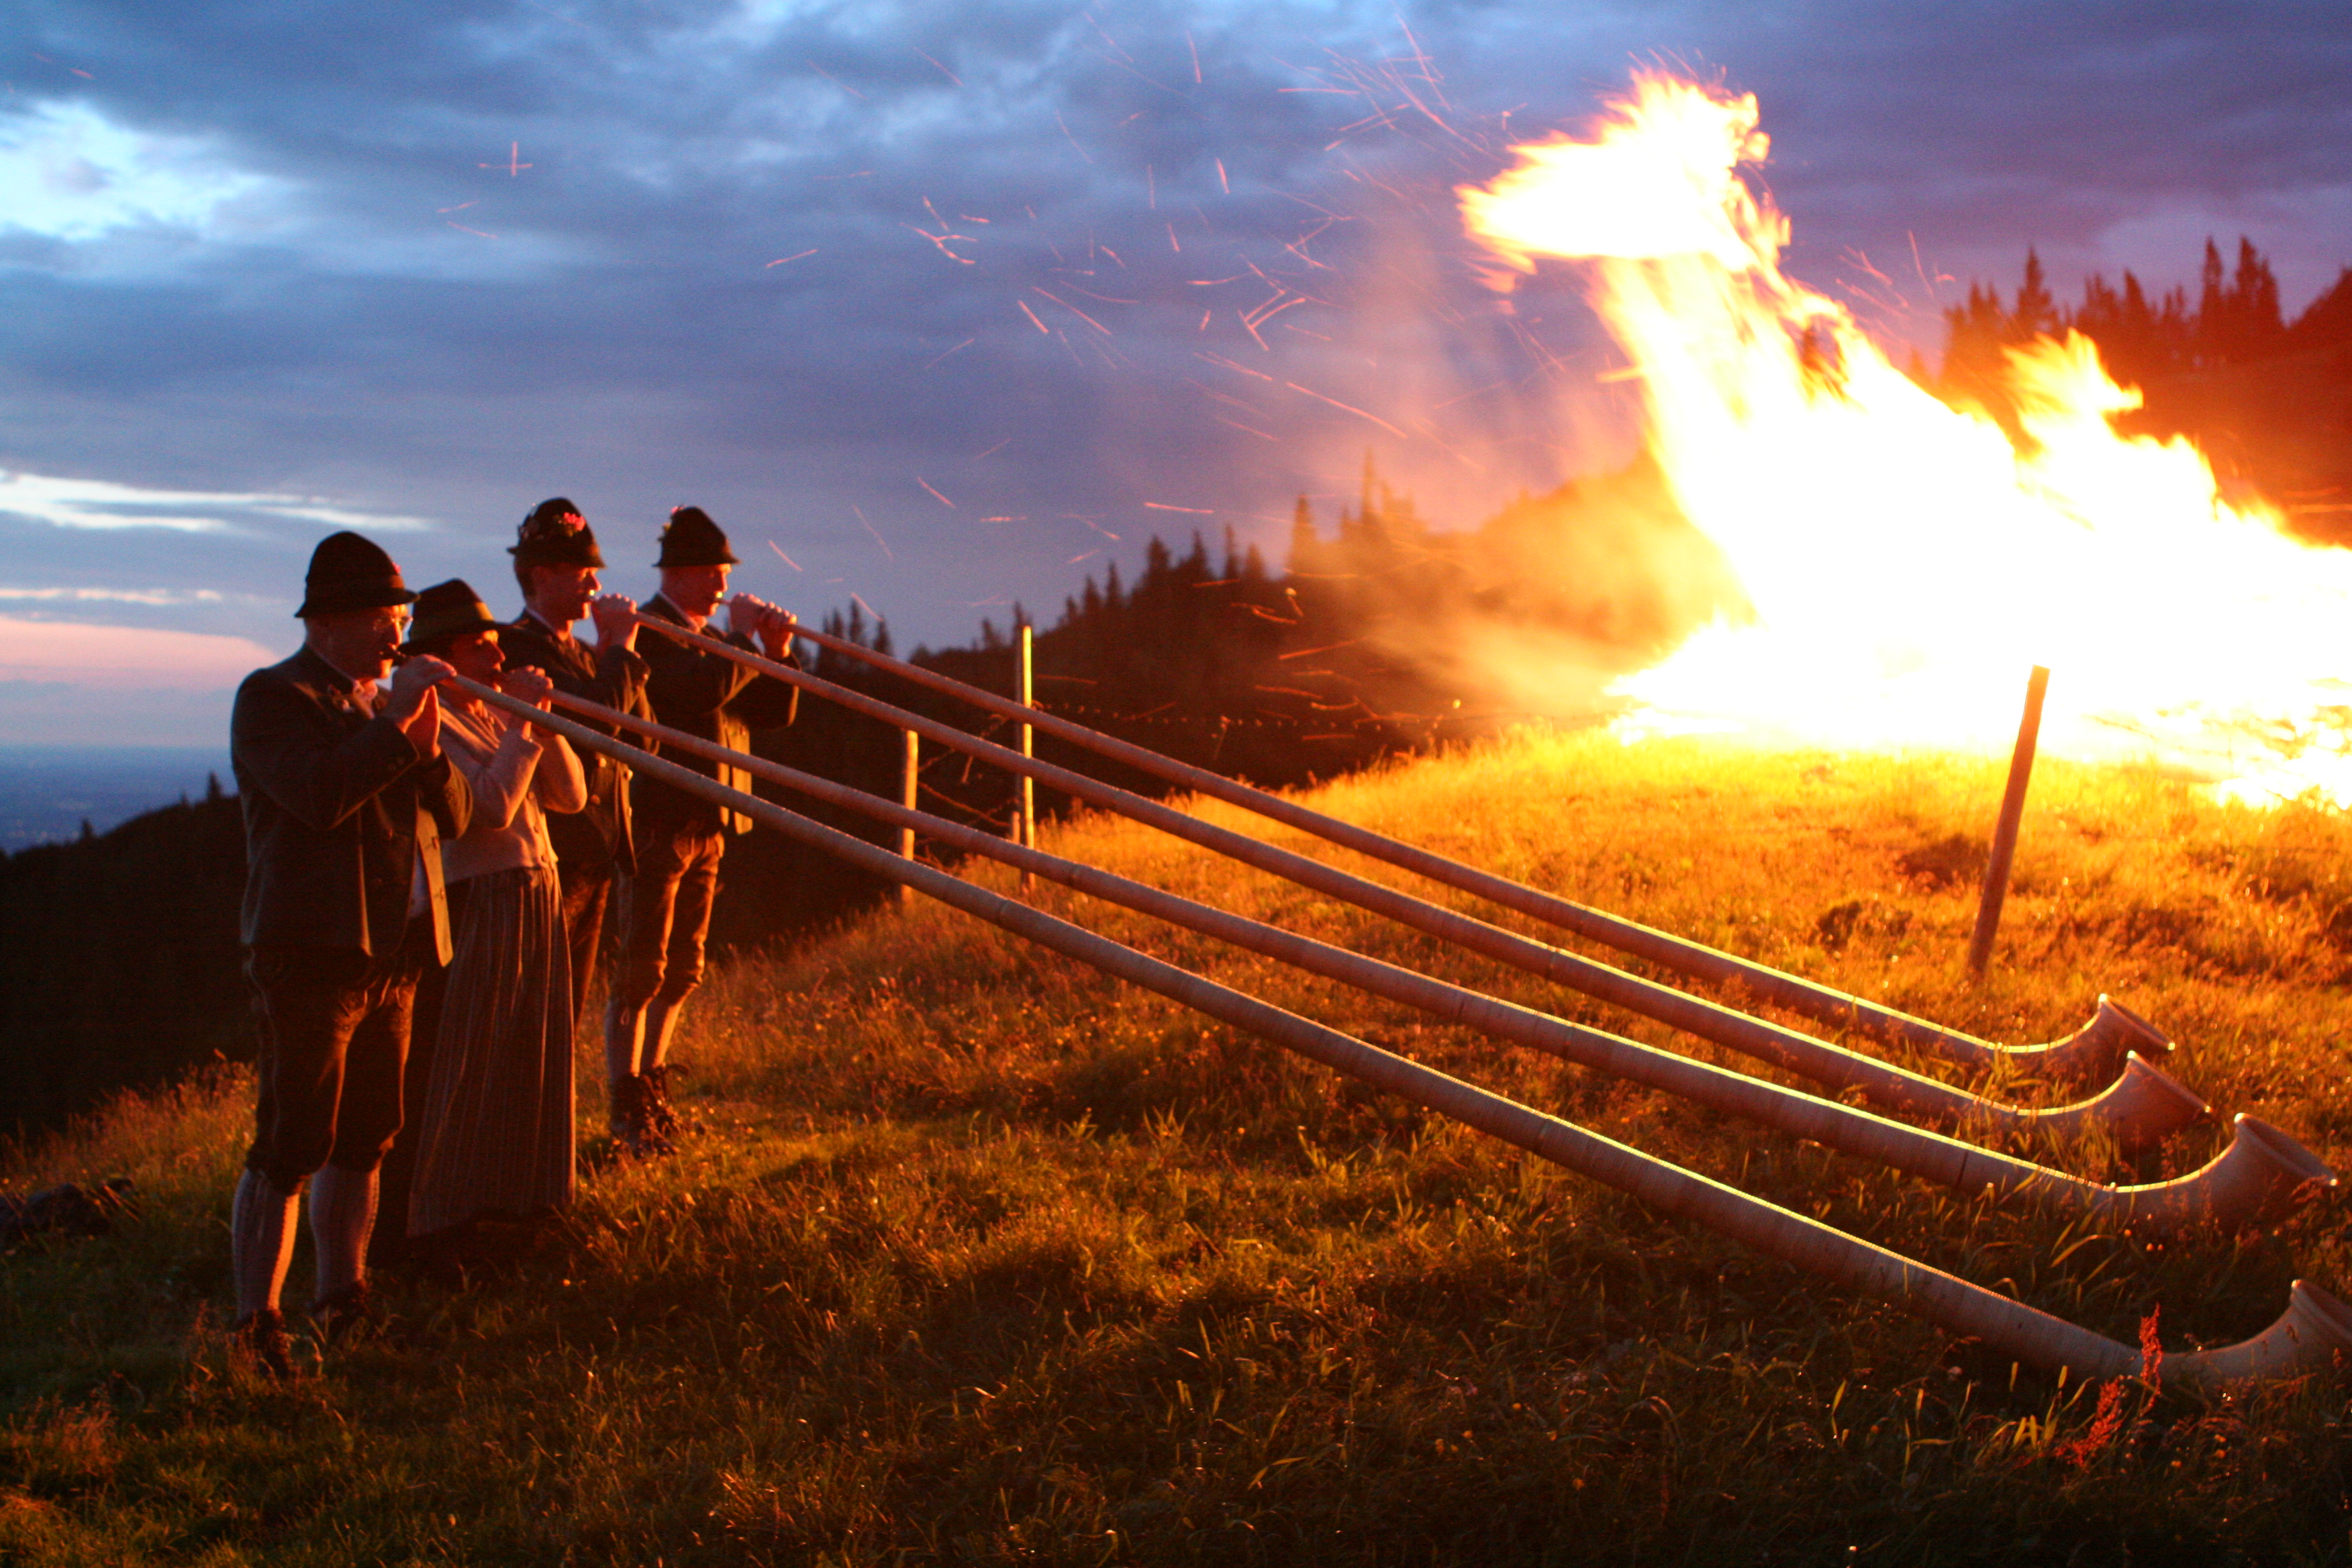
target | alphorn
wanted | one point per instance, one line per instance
(2141, 1108)
(2310, 1336)
(2261, 1176)
(2092, 1051)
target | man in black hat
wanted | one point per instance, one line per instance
(555, 562)
(346, 797)
(680, 838)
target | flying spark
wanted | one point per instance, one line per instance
(1348, 408)
(1231, 364)
(940, 240)
(1072, 310)
(887, 554)
(832, 78)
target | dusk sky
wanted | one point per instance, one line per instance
(945, 306)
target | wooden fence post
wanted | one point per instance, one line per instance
(1025, 826)
(907, 784)
(2004, 837)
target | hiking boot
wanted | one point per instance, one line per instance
(262, 1336)
(660, 1114)
(626, 1114)
(340, 1314)
(632, 1125)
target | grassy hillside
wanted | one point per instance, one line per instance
(980, 1256)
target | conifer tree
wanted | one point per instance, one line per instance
(2035, 313)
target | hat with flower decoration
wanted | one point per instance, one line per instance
(555, 534)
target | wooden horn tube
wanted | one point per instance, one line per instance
(2092, 1051)
(2141, 1108)
(2261, 1176)
(2315, 1329)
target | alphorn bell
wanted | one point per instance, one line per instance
(2263, 1176)
(2092, 1052)
(2141, 1108)
(2311, 1335)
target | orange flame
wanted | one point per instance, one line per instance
(1906, 561)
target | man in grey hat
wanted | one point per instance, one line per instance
(346, 797)
(555, 563)
(680, 838)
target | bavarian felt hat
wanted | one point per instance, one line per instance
(555, 534)
(691, 539)
(448, 610)
(350, 573)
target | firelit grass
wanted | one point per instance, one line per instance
(978, 1256)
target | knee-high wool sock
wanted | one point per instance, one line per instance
(343, 1212)
(260, 1242)
(624, 1029)
(661, 1023)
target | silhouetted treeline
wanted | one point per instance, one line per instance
(2269, 399)
(1389, 634)
(119, 959)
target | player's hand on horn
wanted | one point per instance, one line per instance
(746, 612)
(526, 685)
(414, 704)
(413, 681)
(777, 631)
(615, 615)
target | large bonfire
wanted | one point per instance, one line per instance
(1906, 561)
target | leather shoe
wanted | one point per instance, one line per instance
(340, 1314)
(262, 1335)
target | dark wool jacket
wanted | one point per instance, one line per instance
(330, 801)
(598, 833)
(710, 696)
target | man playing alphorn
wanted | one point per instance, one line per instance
(346, 797)
(556, 562)
(680, 838)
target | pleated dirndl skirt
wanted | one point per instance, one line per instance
(497, 1122)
